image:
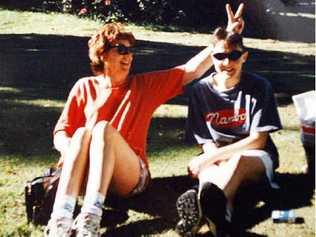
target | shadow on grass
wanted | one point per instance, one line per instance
(160, 198)
(26, 129)
(55, 61)
(296, 191)
(159, 201)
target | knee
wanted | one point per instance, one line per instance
(79, 145)
(251, 163)
(80, 138)
(81, 132)
(250, 168)
(104, 131)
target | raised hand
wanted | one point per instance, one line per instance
(235, 22)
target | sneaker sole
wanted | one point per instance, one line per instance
(189, 212)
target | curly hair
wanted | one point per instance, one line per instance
(231, 38)
(99, 43)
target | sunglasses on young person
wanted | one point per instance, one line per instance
(233, 55)
(122, 49)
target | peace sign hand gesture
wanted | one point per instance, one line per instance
(235, 22)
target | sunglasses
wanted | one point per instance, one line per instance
(233, 55)
(122, 49)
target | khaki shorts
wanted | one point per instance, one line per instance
(144, 179)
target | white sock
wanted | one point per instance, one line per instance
(64, 206)
(93, 203)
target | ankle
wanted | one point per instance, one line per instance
(64, 207)
(93, 204)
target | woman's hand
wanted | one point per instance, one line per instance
(235, 22)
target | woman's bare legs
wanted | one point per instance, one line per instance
(112, 162)
(71, 179)
(73, 172)
(112, 165)
(75, 164)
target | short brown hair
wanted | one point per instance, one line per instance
(108, 35)
(231, 38)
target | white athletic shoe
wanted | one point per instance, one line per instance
(87, 225)
(59, 227)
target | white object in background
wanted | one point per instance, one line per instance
(305, 107)
(306, 110)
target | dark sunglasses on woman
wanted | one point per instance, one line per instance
(233, 55)
(122, 49)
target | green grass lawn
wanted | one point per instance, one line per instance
(28, 115)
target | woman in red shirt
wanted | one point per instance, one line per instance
(101, 133)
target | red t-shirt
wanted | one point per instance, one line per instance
(128, 108)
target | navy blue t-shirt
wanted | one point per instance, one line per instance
(226, 117)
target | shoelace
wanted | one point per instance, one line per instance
(87, 225)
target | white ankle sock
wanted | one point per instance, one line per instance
(64, 206)
(93, 203)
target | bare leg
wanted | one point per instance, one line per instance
(249, 170)
(73, 172)
(230, 175)
(75, 164)
(112, 162)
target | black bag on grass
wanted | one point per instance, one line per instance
(40, 196)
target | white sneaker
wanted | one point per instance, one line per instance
(87, 225)
(59, 227)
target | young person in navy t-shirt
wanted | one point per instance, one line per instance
(231, 115)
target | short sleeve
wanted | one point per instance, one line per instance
(266, 117)
(72, 116)
(196, 129)
(160, 86)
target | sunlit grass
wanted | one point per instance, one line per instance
(9, 89)
(171, 111)
(292, 157)
(25, 22)
(40, 103)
